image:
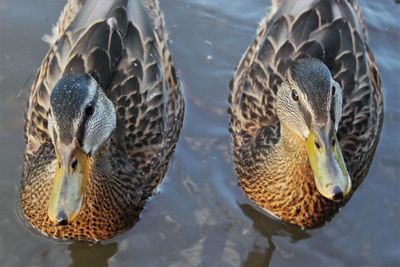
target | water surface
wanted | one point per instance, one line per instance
(200, 217)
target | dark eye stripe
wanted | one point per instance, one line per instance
(333, 106)
(80, 135)
(306, 114)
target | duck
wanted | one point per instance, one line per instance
(306, 110)
(103, 119)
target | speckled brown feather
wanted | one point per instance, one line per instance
(280, 180)
(122, 44)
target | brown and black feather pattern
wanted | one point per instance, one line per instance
(122, 44)
(334, 32)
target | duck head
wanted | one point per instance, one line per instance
(81, 120)
(309, 103)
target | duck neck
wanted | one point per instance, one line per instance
(101, 160)
(293, 148)
(112, 174)
(281, 182)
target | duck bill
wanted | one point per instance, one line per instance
(330, 173)
(69, 184)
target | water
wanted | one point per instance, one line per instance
(200, 217)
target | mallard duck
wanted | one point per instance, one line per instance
(306, 110)
(103, 118)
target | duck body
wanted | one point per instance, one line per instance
(317, 49)
(104, 115)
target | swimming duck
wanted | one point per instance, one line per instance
(306, 110)
(104, 115)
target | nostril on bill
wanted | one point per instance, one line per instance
(337, 194)
(62, 218)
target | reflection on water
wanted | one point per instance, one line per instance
(87, 254)
(268, 230)
(200, 217)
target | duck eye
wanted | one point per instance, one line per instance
(317, 145)
(89, 110)
(74, 164)
(295, 95)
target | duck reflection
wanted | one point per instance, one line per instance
(88, 254)
(269, 228)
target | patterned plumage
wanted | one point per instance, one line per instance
(273, 167)
(122, 45)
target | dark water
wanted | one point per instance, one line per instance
(200, 217)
